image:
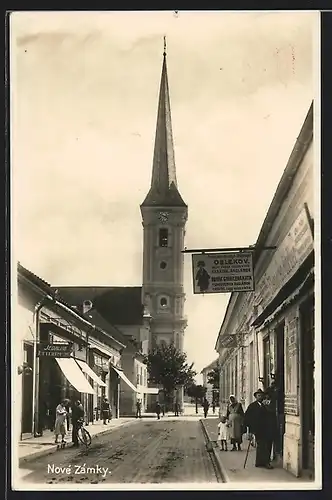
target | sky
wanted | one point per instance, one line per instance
(84, 96)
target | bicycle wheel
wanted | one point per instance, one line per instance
(84, 436)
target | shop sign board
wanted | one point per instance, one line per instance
(229, 341)
(55, 350)
(225, 272)
(286, 260)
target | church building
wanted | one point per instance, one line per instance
(151, 314)
(164, 215)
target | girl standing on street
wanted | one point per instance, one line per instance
(222, 433)
(60, 420)
(235, 416)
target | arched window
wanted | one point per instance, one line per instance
(163, 237)
(163, 302)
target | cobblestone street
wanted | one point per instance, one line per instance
(147, 452)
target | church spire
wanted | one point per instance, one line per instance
(163, 191)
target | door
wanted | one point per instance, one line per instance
(266, 360)
(280, 383)
(307, 382)
(27, 389)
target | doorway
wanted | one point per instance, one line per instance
(280, 383)
(27, 389)
(307, 382)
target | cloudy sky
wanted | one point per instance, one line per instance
(84, 104)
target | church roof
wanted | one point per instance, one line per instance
(164, 191)
(117, 305)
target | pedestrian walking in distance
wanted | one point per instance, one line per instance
(235, 419)
(77, 415)
(257, 420)
(223, 433)
(176, 409)
(60, 421)
(158, 410)
(206, 406)
(138, 409)
(214, 406)
(105, 410)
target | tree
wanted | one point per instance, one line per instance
(168, 367)
(198, 392)
(213, 377)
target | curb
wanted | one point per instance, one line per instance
(220, 466)
(49, 451)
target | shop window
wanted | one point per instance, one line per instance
(163, 237)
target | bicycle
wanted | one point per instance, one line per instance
(83, 435)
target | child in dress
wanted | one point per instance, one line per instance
(222, 433)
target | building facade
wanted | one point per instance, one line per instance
(211, 392)
(268, 335)
(164, 216)
(43, 320)
(120, 311)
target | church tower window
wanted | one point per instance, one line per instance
(163, 302)
(163, 237)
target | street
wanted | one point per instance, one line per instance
(148, 451)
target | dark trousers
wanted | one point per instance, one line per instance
(205, 413)
(105, 415)
(138, 413)
(158, 416)
(263, 451)
(67, 420)
(75, 432)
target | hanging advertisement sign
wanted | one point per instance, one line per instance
(55, 350)
(223, 272)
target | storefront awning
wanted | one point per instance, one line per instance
(125, 379)
(86, 369)
(74, 375)
(147, 390)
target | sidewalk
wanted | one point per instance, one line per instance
(32, 448)
(231, 463)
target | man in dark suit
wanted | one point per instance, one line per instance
(257, 419)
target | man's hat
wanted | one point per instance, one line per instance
(259, 391)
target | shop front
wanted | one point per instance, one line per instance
(284, 326)
(63, 373)
(125, 391)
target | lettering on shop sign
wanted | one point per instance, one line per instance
(54, 350)
(291, 404)
(223, 273)
(286, 260)
(291, 365)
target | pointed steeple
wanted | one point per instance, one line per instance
(163, 191)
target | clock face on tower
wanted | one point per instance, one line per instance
(163, 217)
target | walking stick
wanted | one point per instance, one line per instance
(245, 460)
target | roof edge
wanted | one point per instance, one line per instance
(299, 150)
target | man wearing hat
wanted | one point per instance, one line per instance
(257, 419)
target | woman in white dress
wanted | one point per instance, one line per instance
(60, 421)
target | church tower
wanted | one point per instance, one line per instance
(164, 215)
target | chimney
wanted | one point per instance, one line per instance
(87, 305)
